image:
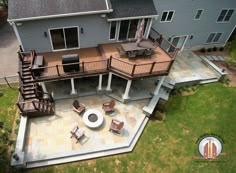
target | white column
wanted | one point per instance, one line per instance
(100, 83)
(43, 87)
(159, 85)
(73, 91)
(126, 94)
(109, 82)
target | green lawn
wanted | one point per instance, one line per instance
(7, 116)
(170, 146)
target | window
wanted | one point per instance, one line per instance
(167, 16)
(225, 15)
(213, 37)
(198, 15)
(113, 30)
(64, 38)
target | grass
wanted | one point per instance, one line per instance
(171, 146)
(7, 116)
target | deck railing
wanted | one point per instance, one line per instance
(164, 44)
(59, 71)
(139, 70)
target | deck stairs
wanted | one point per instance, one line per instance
(33, 101)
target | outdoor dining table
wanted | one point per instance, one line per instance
(132, 47)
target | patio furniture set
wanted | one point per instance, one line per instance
(132, 49)
(94, 118)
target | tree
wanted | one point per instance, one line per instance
(5, 3)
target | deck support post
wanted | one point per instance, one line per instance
(126, 94)
(156, 91)
(73, 91)
(44, 89)
(99, 88)
(108, 89)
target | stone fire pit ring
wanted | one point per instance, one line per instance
(93, 118)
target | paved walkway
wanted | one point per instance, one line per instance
(8, 51)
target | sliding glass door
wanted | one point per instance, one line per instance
(64, 38)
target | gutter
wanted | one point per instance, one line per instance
(60, 15)
(129, 18)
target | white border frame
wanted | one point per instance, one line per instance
(200, 15)
(168, 11)
(214, 37)
(115, 31)
(56, 50)
(225, 15)
(184, 40)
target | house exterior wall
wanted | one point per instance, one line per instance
(183, 22)
(96, 31)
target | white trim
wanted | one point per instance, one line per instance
(17, 34)
(214, 37)
(184, 40)
(60, 15)
(107, 5)
(63, 28)
(110, 31)
(230, 35)
(149, 28)
(225, 15)
(168, 11)
(130, 18)
(197, 13)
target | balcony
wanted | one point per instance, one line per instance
(105, 58)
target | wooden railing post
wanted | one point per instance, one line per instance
(18, 104)
(170, 65)
(34, 105)
(58, 73)
(153, 64)
(83, 67)
(32, 73)
(108, 62)
(133, 70)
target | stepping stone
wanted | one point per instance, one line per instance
(202, 56)
(209, 58)
(215, 58)
(221, 58)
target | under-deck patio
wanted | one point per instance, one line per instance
(48, 139)
(105, 58)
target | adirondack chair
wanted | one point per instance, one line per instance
(77, 133)
(78, 107)
(116, 126)
(108, 106)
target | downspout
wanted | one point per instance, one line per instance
(13, 24)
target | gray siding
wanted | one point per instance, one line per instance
(183, 22)
(96, 31)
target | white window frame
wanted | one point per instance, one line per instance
(214, 37)
(115, 31)
(63, 28)
(168, 11)
(200, 15)
(223, 21)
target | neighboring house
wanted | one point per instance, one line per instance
(197, 23)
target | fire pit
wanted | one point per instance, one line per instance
(93, 118)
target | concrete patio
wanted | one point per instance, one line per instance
(48, 139)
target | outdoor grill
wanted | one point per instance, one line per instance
(68, 59)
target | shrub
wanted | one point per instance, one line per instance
(221, 49)
(209, 49)
(161, 107)
(16, 131)
(1, 93)
(214, 49)
(203, 50)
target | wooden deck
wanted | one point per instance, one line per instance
(103, 59)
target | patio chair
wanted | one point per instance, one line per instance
(78, 107)
(121, 51)
(116, 126)
(108, 106)
(77, 133)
